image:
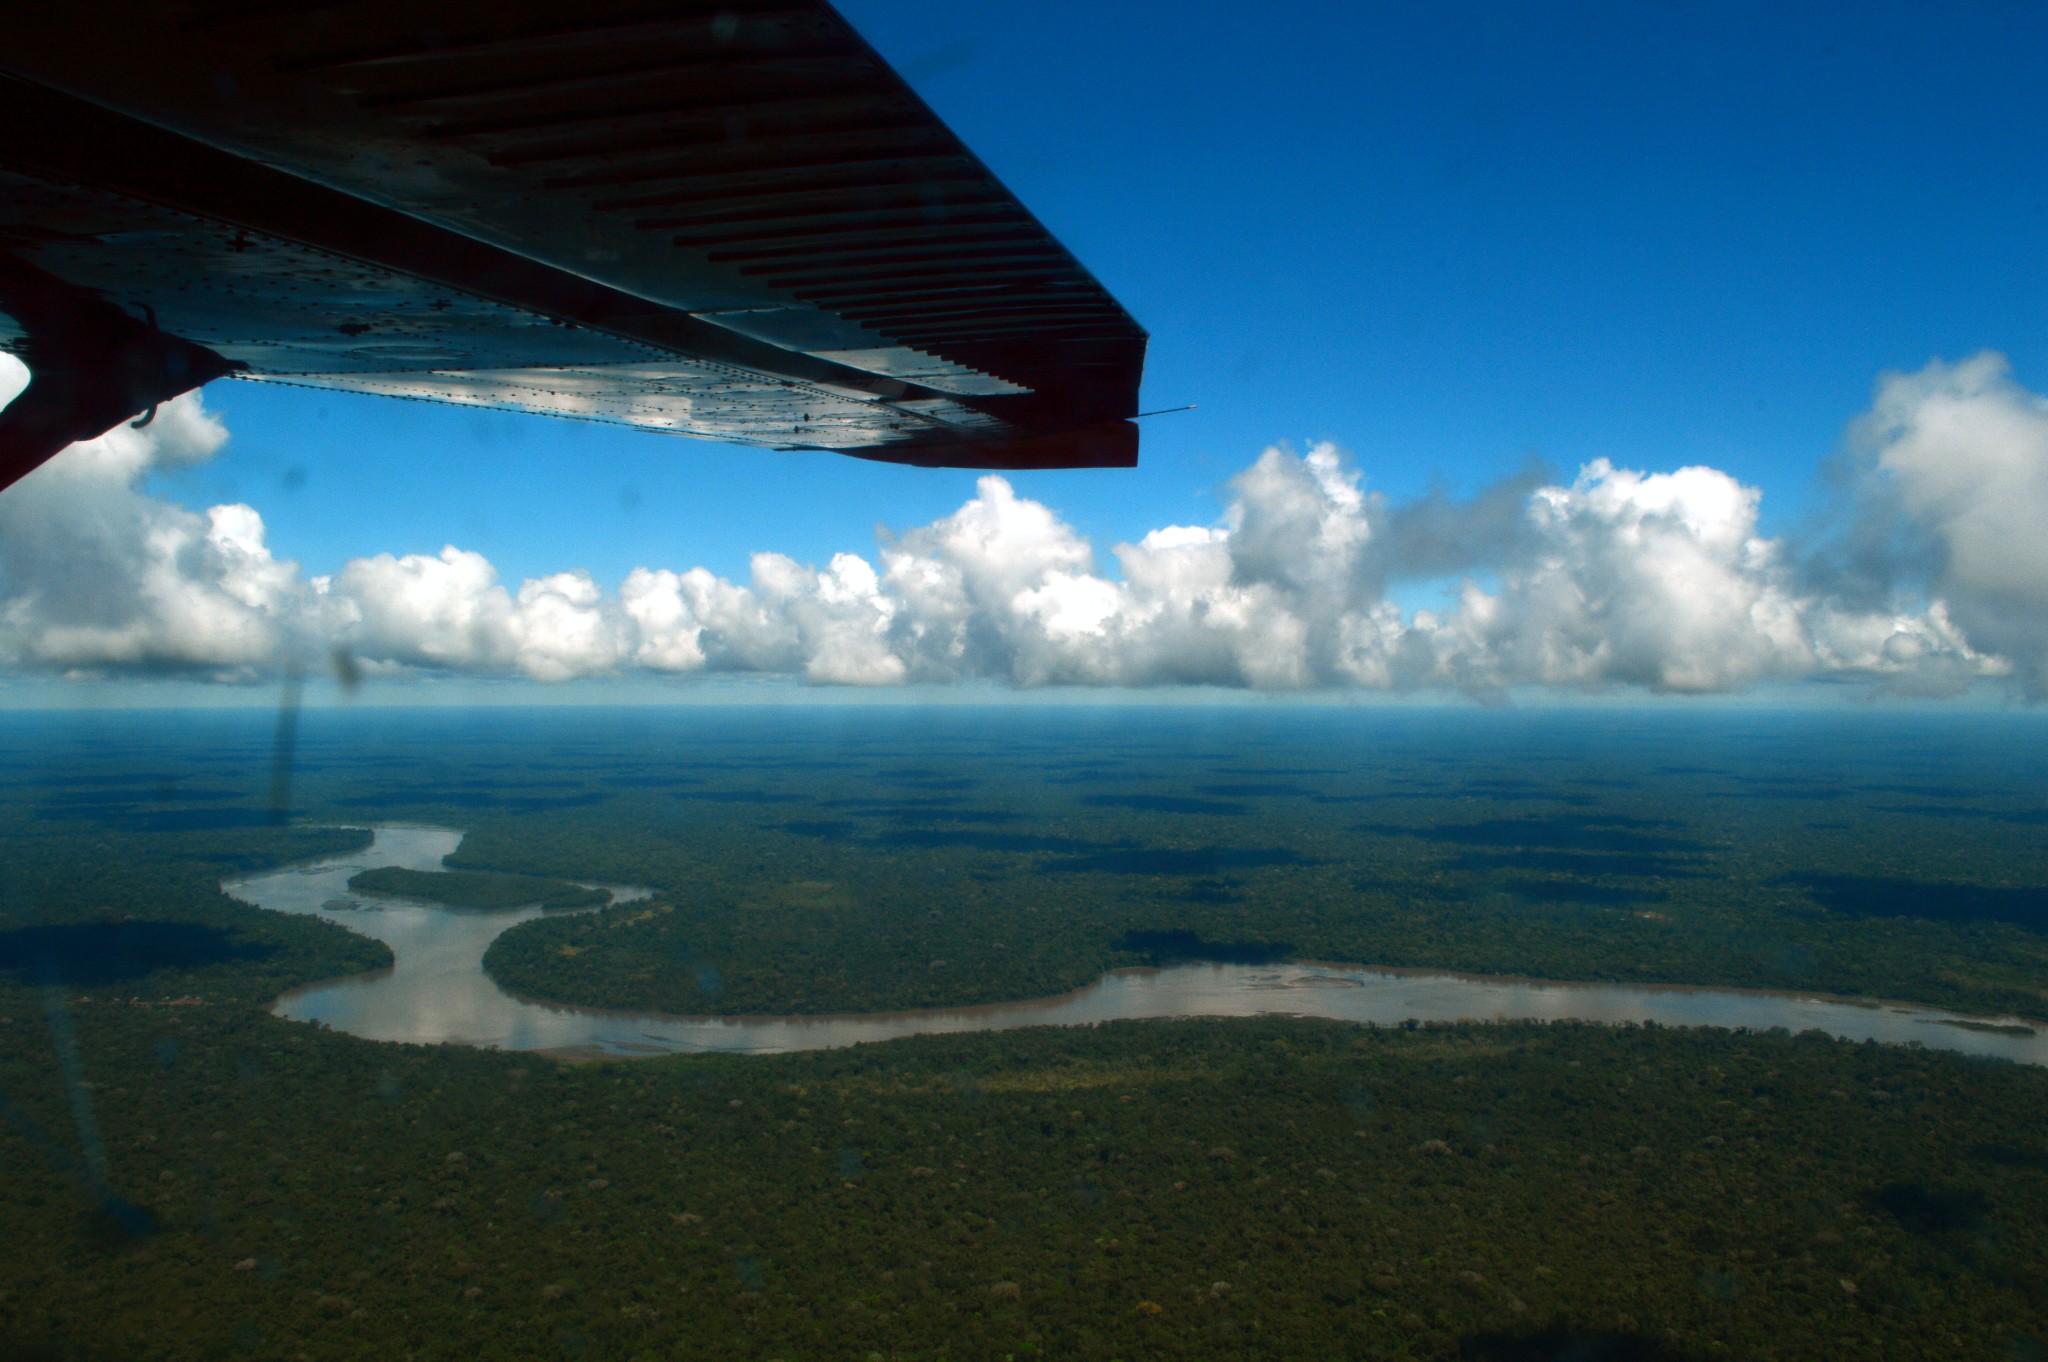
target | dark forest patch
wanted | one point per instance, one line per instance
(1874, 896)
(1260, 790)
(2020, 817)
(472, 799)
(946, 815)
(1562, 891)
(1769, 781)
(936, 782)
(1087, 775)
(1774, 792)
(1561, 832)
(1171, 944)
(783, 764)
(121, 799)
(1563, 1343)
(919, 810)
(117, 1223)
(1572, 798)
(59, 781)
(1152, 803)
(1920, 1209)
(94, 954)
(1643, 865)
(979, 840)
(170, 820)
(1176, 861)
(740, 796)
(2013, 1156)
(824, 829)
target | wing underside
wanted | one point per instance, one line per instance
(730, 221)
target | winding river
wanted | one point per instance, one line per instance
(437, 991)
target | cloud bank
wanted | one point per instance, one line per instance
(1933, 577)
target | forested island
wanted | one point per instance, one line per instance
(773, 913)
(477, 888)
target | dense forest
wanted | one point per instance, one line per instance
(922, 909)
(109, 911)
(477, 888)
(1247, 1188)
(184, 1175)
(828, 863)
(869, 860)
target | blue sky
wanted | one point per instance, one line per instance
(1446, 237)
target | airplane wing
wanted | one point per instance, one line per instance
(729, 220)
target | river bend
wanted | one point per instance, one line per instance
(437, 991)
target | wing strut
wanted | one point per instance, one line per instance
(91, 366)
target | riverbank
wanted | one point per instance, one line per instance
(438, 991)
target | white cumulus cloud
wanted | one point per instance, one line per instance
(1655, 580)
(1936, 579)
(1961, 452)
(96, 575)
